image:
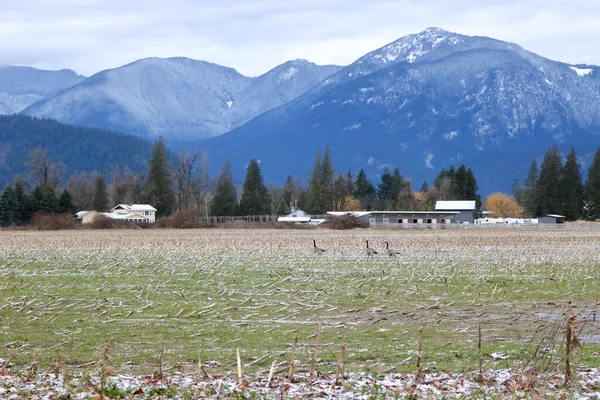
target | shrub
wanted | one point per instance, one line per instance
(184, 219)
(45, 222)
(101, 221)
(344, 222)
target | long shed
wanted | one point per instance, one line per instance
(465, 209)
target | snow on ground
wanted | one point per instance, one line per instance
(582, 71)
(513, 383)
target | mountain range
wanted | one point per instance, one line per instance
(177, 98)
(21, 87)
(422, 103)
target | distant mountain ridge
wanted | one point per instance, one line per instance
(425, 102)
(22, 86)
(178, 98)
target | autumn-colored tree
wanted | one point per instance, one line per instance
(503, 206)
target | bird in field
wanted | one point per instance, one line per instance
(316, 249)
(370, 250)
(390, 252)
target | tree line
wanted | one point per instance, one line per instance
(187, 185)
(557, 187)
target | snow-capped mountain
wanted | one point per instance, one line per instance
(23, 86)
(427, 101)
(178, 98)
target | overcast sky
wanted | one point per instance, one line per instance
(253, 36)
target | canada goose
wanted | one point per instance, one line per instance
(317, 250)
(370, 250)
(391, 253)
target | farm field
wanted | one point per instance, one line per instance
(167, 299)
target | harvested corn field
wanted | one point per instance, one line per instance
(160, 302)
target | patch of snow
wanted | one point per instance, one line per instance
(229, 104)
(352, 127)
(581, 71)
(315, 105)
(289, 74)
(366, 89)
(428, 159)
(450, 135)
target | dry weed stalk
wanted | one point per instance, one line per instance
(315, 353)
(290, 377)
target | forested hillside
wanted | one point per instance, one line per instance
(80, 149)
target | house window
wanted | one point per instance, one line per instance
(415, 221)
(147, 212)
(429, 220)
(443, 220)
(400, 221)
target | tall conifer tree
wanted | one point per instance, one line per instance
(224, 201)
(549, 193)
(255, 197)
(100, 196)
(158, 189)
(572, 188)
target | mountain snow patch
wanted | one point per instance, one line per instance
(450, 135)
(428, 158)
(352, 127)
(229, 104)
(315, 105)
(289, 74)
(582, 71)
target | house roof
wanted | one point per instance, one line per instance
(135, 207)
(455, 205)
(555, 216)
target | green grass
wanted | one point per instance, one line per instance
(191, 295)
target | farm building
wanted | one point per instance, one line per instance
(465, 209)
(552, 219)
(401, 218)
(123, 212)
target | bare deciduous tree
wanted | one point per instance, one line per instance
(42, 170)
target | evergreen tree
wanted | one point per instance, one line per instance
(316, 185)
(529, 194)
(158, 189)
(349, 183)
(424, 187)
(282, 208)
(224, 201)
(49, 201)
(471, 188)
(384, 189)
(24, 213)
(548, 194)
(35, 200)
(592, 189)
(364, 191)
(572, 188)
(461, 183)
(65, 202)
(100, 196)
(255, 198)
(327, 177)
(8, 205)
